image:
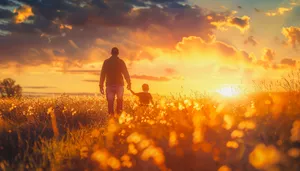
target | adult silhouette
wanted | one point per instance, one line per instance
(113, 70)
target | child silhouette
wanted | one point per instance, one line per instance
(145, 97)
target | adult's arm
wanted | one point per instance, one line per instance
(126, 73)
(103, 74)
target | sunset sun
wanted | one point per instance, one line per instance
(228, 91)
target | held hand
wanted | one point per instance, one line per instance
(129, 87)
(102, 90)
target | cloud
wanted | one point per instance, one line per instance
(7, 2)
(292, 34)
(72, 29)
(150, 78)
(170, 71)
(242, 23)
(268, 55)
(294, 2)
(212, 51)
(22, 14)
(251, 40)
(279, 11)
(37, 87)
(91, 81)
(257, 10)
(289, 62)
(140, 77)
(94, 72)
(5, 14)
(64, 33)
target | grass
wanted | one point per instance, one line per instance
(195, 132)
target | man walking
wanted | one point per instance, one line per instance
(113, 70)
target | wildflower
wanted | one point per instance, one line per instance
(294, 152)
(196, 106)
(264, 157)
(144, 144)
(101, 157)
(295, 131)
(132, 149)
(173, 139)
(95, 133)
(237, 134)
(155, 153)
(232, 144)
(250, 112)
(224, 168)
(206, 147)
(50, 110)
(187, 102)
(126, 161)
(247, 125)
(84, 152)
(134, 138)
(180, 106)
(112, 126)
(198, 135)
(114, 163)
(229, 120)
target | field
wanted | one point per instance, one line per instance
(194, 132)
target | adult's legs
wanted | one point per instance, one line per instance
(120, 93)
(110, 97)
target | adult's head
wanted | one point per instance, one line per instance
(114, 51)
(145, 87)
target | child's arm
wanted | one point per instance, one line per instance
(132, 92)
(151, 100)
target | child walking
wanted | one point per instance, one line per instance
(145, 97)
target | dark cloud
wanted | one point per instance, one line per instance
(94, 72)
(289, 62)
(91, 81)
(268, 55)
(257, 10)
(150, 78)
(7, 2)
(242, 22)
(42, 38)
(292, 34)
(140, 77)
(38, 87)
(5, 14)
(251, 40)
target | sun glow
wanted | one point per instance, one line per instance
(228, 91)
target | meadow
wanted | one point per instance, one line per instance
(182, 132)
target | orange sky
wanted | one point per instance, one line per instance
(184, 46)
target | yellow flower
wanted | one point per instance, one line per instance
(264, 157)
(232, 144)
(224, 168)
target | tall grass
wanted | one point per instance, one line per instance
(194, 132)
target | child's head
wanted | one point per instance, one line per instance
(145, 87)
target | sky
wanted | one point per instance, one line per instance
(172, 45)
